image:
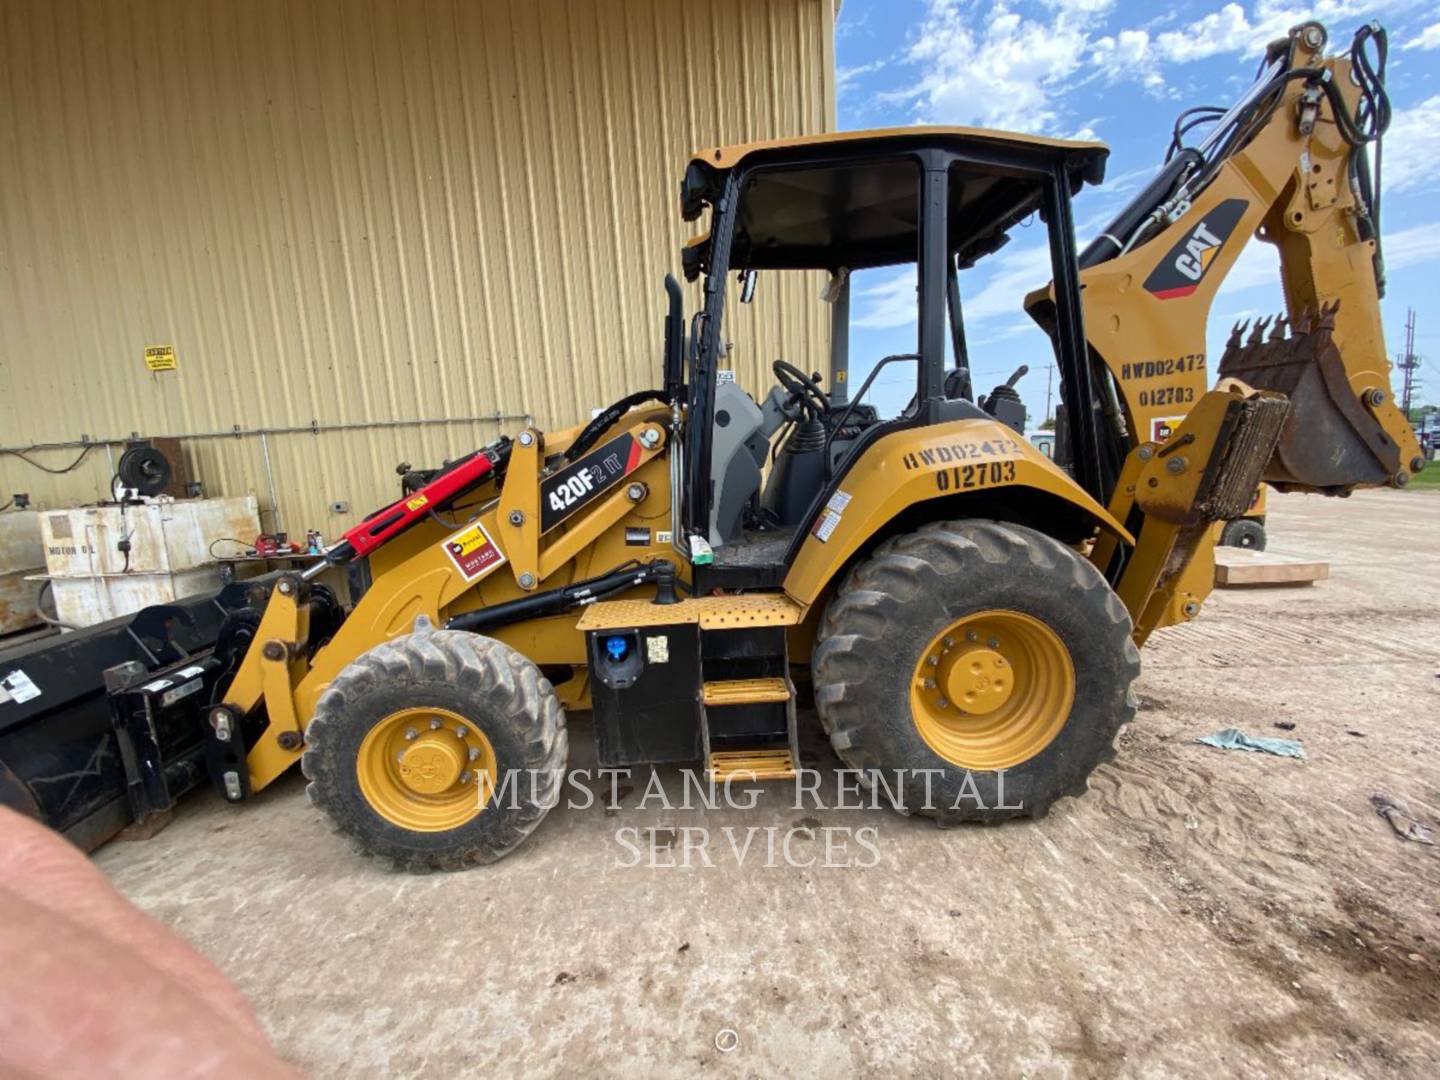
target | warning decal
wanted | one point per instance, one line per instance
(160, 357)
(824, 525)
(1162, 427)
(18, 687)
(473, 552)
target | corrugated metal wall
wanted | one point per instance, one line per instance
(363, 211)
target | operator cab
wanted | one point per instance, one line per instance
(820, 210)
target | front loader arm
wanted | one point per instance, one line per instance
(517, 541)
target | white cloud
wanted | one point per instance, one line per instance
(847, 77)
(1259, 263)
(997, 68)
(1411, 147)
(1429, 38)
(887, 303)
(984, 63)
(1005, 278)
(1413, 246)
(1013, 273)
(1220, 31)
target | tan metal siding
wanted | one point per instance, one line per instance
(362, 211)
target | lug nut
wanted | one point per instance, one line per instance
(460, 732)
(933, 661)
(436, 724)
(929, 684)
(993, 642)
(465, 777)
(971, 635)
(474, 753)
(411, 734)
(949, 642)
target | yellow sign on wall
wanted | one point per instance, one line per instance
(160, 357)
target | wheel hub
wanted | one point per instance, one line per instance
(992, 690)
(979, 679)
(429, 765)
(426, 769)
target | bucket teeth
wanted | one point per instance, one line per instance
(1257, 334)
(1304, 321)
(1277, 332)
(1237, 334)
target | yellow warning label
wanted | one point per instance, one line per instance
(417, 503)
(160, 357)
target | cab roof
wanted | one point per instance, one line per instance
(850, 198)
(727, 157)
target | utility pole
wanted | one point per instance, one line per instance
(1409, 363)
(1049, 376)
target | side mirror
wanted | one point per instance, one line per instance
(747, 286)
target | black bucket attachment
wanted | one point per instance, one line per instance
(1331, 441)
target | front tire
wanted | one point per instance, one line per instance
(411, 748)
(983, 650)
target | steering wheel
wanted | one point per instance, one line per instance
(804, 389)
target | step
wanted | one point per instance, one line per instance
(751, 765)
(730, 612)
(745, 691)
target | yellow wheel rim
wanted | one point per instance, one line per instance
(426, 770)
(992, 690)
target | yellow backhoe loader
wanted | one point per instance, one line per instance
(967, 608)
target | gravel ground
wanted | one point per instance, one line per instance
(1197, 910)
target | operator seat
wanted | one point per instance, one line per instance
(737, 455)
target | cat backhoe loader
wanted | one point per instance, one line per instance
(967, 608)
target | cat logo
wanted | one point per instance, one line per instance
(1186, 264)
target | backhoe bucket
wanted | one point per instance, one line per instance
(1332, 441)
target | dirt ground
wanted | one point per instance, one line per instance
(1198, 910)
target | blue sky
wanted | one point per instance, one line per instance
(1118, 72)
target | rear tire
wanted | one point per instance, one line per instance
(1243, 533)
(893, 613)
(423, 688)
